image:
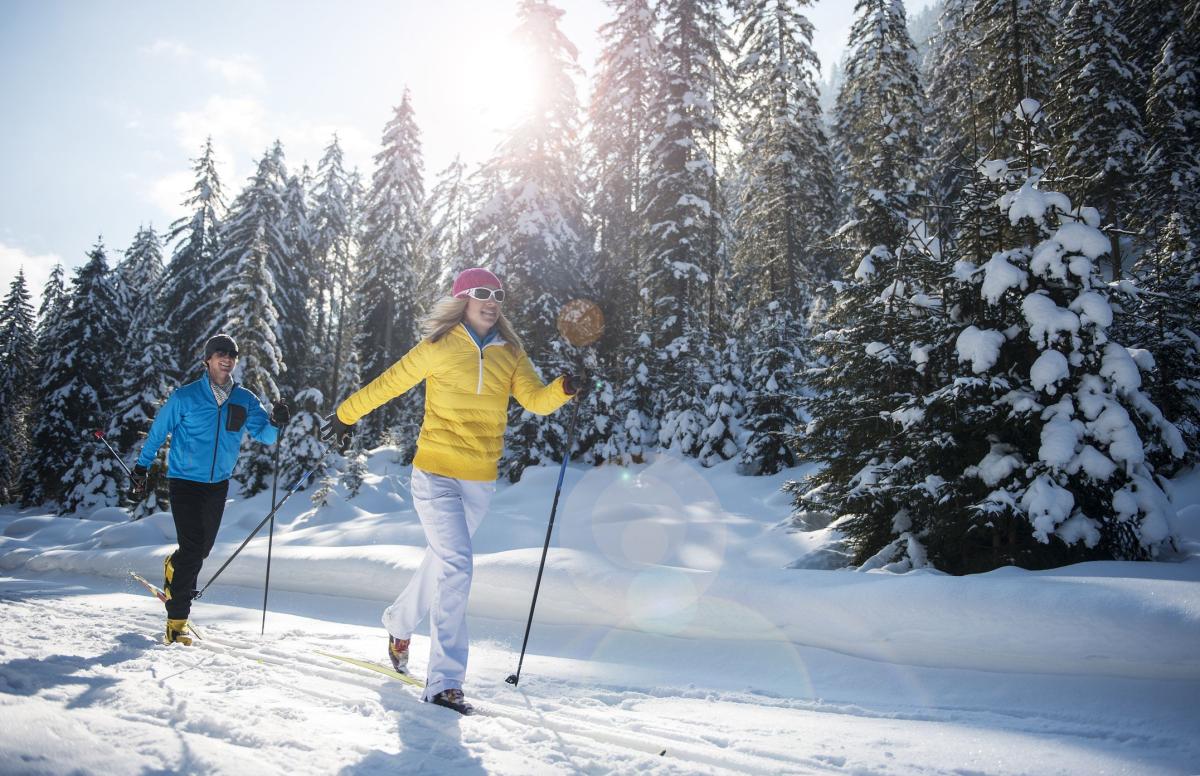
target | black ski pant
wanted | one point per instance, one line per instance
(197, 508)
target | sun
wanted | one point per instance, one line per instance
(500, 76)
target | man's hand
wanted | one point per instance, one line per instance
(280, 414)
(137, 483)
(334, 431)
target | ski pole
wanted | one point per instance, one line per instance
(299, 483)
(270, 539)
(514, 678)
(100, 435)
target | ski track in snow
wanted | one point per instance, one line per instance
(86, 687)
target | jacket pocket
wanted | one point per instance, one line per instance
(236, 418)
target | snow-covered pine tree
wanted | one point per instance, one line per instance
(51, 441)
(887, 342)
(334, 248)
(1165, 324)
(682, 217)
(785, 214)
(878, 124)
(90, 338)
(390, 265)
(295, 288)
(1048, 425)
(1170, 180)
(787, 197)
(446, 248)
(618, 138)
(18, 362)
(771, 387)
(254, 224)
(252, 321)
(957, 134)
(150, 372)
(1098, 121)
(188, 299)
(300, 444)
(633, 425)
(532, 232)
(1013, 44)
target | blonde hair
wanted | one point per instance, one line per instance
(449, 312)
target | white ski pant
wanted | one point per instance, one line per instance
(450, 510)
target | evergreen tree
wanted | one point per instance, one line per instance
(391, 265)
(189, 297)
(786, 209)
(886, 343)
(295, 284)
(1024, 445)
(1014, 49)
(1171, 173)
(878, 124)
(149, 374)
(1165, 325)
(619, 136)
(334, 247)
(771, 387)
(301, 439)
(252, 321)
(18, 358)
(1099, 123)
(51, 442)
(683, 216)
(958, 132)
(532, 231)
(90, 338)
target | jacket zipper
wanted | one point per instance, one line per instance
(216, 442)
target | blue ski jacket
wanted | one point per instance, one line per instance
(205, 438)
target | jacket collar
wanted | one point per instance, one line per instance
(493, 337)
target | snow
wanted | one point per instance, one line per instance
(979, 346)
(1077, 237)
(999, 276)
(670, 638)
(1047, 505)
(1050, 369)
(1046, 319)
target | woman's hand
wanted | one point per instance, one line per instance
(575, 386)
(334, 431)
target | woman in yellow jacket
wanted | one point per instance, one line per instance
(471, 361)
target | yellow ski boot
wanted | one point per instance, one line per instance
(177, 633)
(168, 574)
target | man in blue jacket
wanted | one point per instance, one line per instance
(206, 420)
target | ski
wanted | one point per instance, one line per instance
(161, 595)
(376, 667)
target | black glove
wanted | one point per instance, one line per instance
(576, 385)
(280, 414)
(137, 483)
(334, 431)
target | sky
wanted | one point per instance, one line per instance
(106, 103)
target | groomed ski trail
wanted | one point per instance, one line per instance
(81, 662)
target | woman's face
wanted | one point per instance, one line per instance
(481, 315)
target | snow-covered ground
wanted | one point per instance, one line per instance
(671, 637)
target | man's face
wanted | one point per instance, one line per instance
(220, 366)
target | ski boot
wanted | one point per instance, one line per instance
(177, 633)
(453, 699)
(168, 574)
(398, 652)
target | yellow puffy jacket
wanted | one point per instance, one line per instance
(466, 400)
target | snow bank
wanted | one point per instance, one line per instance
(673, 549)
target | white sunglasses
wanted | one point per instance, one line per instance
(483, 293)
